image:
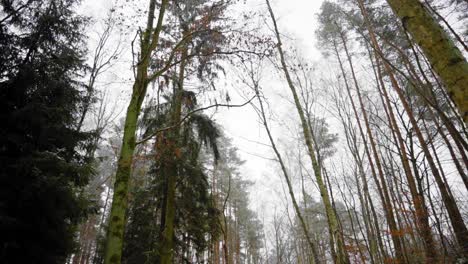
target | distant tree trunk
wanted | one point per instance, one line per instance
(353, 228)
(342, 256)
(312, 245)
(214, 194)
(446, 59)
(237, 234)
(382, 186)
(231, 239)
(363, 191)
(421, 213)
(225, 242)
(170, 168)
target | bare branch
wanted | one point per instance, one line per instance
(188, 115)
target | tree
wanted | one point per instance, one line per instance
(422, 217)
(333, 221)
(253, 81)
(149, 42)
(41, 152)
(195, 218)
(456, 218)
(446, 59)
(241, 231)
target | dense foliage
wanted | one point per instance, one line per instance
(42, 166)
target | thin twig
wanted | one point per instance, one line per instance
(188, 115)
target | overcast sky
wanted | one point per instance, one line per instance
(297, 21)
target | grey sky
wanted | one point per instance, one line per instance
(297, 20)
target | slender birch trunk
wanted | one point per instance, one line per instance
(312, 245)
(342, 256)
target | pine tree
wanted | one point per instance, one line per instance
(195, 218)
(41, 153)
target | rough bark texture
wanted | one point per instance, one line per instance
(445, 58)
(114, 241)
(117, 217)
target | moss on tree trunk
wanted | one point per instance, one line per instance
(114, 241)
(117, 217)
(445, 58)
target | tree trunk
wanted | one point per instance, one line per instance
(382, 186)
(445, 58)
(333, 222)
(117, 217)
(456, 219)
(312, 245)
(170, 166)
(421, 213)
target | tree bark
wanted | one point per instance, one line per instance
(444, 56)
(117, 217)
(170, 165)
(382, 186)
(455, 216)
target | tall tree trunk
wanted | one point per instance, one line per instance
(214, 194)
(312, 245)
(382, 186)
(117, 217)
(455, 216)
(421, 212)
(170, 165)
(342, 256)
(237, 234)
(363, 192)
(446, 59)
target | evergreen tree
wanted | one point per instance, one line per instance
(195, 217)
(41, 153)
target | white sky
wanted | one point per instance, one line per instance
(297, 21)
